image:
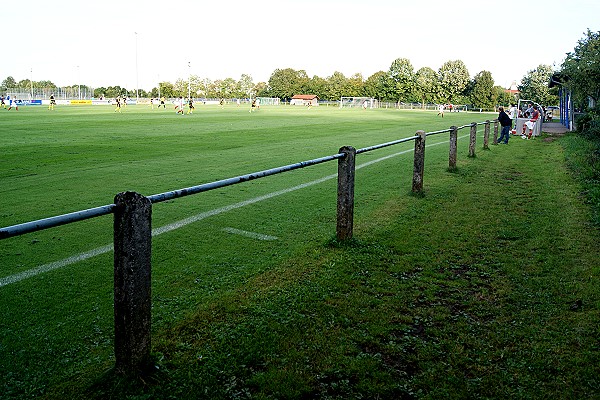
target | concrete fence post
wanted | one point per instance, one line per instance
(132, 280)
(495, 132)
(453, 148)
(345, 193)
(472, 139)
(419, 162)
(486, 136)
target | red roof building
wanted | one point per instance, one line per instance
(305, 100)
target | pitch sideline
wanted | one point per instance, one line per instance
(181, 223)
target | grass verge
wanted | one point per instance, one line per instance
(486, 287)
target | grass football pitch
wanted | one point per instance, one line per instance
(444, 295)
(78, 157)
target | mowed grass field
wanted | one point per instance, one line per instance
(471, 285)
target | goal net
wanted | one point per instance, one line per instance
(358, 102)
(269, 101)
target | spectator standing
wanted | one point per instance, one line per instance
(506, 123)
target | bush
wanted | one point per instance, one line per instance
(589, 123)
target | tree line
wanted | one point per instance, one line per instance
(451, 83)
(580, 74)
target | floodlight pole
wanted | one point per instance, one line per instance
(31, 83)
(79, 81)
(189, 81)
(137, 85)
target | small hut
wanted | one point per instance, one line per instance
(305, 100)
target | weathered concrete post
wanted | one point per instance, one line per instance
(495, 131)
(345, 193)
(453, 148)
(472, 139)
(132, 280)
(419, 162)
(486, 136)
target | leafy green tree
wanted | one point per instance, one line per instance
(166, 89)
(317, 86)
(245, 87)
(483, 94)
(44, 84)
(503, 98)
(337, 86)
(427, 85)
(225, 88)
(355, 85)
(180, 88)
(284, 83)
(534, 85)
(582, 68)
(374, 86)
(8, 83)
(261, 89)
(402, 75)
(100, 92)
(197, 86)
(454, 78)
(24, 84)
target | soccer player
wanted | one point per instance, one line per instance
(179, 105)
(52, 102)
(162, 102)
(152, 102)
(191, 107)
(13, 103)
(441, 110)
(118, 104)
(2, 103)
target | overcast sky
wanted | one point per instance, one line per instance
(98, 42)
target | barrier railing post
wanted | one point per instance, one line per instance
(419, 163)
(345, 193)
(453, 148)
(486, 135)
(472, 139)
(132, 280)
(495, 132)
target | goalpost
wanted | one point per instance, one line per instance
(269, 101)
(358, 102)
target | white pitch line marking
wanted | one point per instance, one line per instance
(252, 235)
(179, 224)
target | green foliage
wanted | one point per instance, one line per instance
(582, 153)
(7, 83)
(337, 86)
(503, 98)
(483, 94)
(582, 68)
(402, 76)
(454, 78)
(317, 86)
(427, 85)
(534, 86)
(589, 123)
(285, 83)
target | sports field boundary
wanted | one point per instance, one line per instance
(30, 273)
(132, 233)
